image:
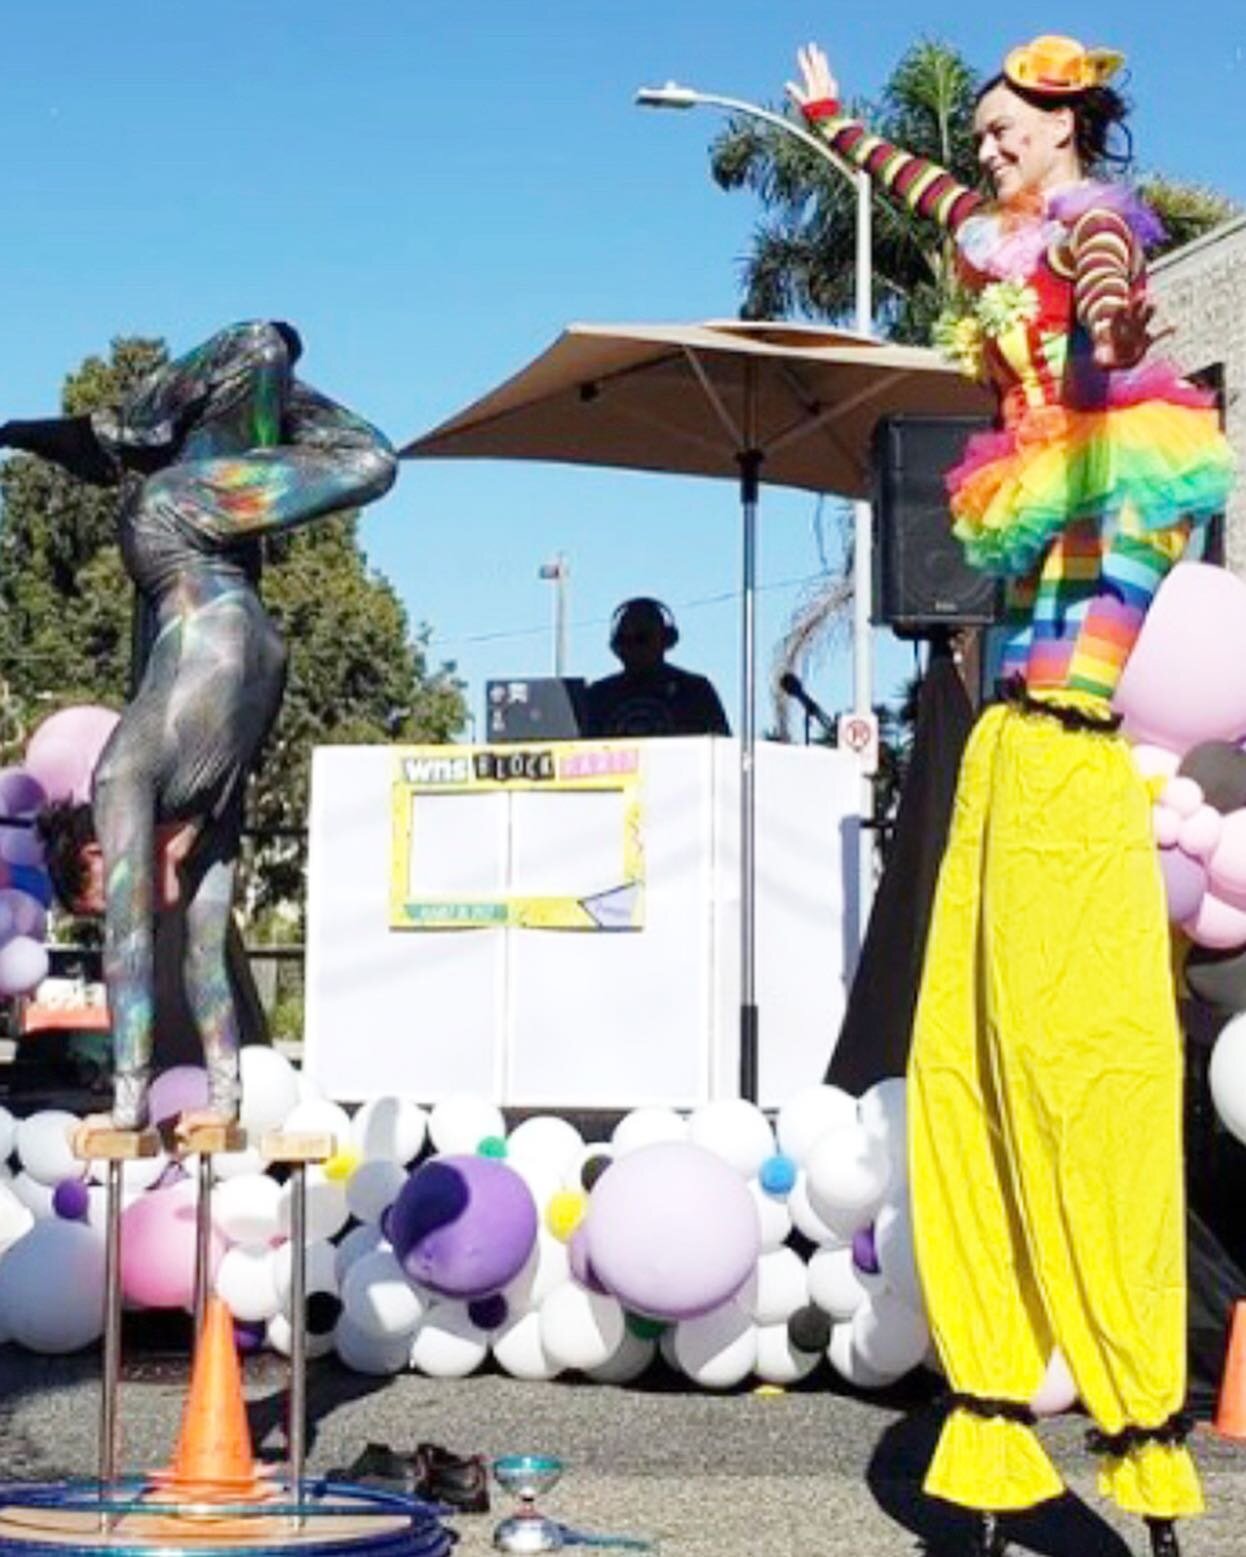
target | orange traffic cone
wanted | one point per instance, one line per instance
(214, 1461)
(1230, 1419)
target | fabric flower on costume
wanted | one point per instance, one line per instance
(960, 338)
(1005, 304)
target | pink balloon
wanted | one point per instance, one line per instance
(1155, 761)
(1182, 795)
(62, 753)
(1185, 881)
(1165, 824)
(23, 965)
(1058, 1392)
(1199, 834)
(1185, 681)
(158, 1247)
(1227, 867)
(1217, 924)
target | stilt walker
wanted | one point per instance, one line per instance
(1045, 1078)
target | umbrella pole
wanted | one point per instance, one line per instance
(750, 473)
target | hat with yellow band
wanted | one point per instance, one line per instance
(1059, 66)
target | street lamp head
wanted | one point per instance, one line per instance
(672, 95)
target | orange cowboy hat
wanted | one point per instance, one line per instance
(1060, 65)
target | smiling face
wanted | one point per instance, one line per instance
(1021, 147)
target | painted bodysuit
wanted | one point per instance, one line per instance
(248, 450)
(1045, 1077)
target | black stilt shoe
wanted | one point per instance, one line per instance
(1163, 1538)
(987, 1539)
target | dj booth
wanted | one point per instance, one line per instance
(557, 925)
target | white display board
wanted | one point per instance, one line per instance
(639, 1004)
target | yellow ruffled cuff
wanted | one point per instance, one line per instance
(1156, 1479)
(991, 1463)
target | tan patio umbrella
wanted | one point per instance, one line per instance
(790, 404)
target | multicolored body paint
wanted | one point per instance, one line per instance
(251, 451)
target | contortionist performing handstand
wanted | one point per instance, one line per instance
(232, 447)
(1045, 1079)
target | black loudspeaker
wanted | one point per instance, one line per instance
(922, 582)
(536, 708)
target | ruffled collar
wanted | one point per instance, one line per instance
(1006, 240)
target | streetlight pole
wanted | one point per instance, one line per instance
(673, 95)
(558, 572)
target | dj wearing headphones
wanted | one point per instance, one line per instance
(648, 696)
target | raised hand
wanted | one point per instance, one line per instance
(817, 84)
(1123, 338)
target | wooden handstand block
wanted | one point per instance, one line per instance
(210, 1139)
(295, 1147)
(97, 1139)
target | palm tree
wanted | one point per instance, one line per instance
(802, 259)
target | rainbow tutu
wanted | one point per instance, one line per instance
(1153, 444)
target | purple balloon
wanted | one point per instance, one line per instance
(21, 846)
(23, 965)
(672, 1230)
(62, 753)
(24, 914)
(179, 1090)
(71, 1201)
(20, 793)
(581, 1265)
(1185, 882)
(864, 1253)
(463, 1226)
(249, 1335)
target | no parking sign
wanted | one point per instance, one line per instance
(858, 734)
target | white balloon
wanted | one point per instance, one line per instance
(897, 1261)
(327, 1211)
(632, 1359)
(782, 1286)
(138, 1174)
(247, 1210)
(245, 1280)
(8, 1133)
(1058, 1391)
(36, 1197)
(547, 1267)
(889, 1336)
(44, 1149)
(309, 1091)
(364, 1353)
(580, 1329)
(232, 1165)
(883, 1112)
(735, 1130)
(778, 1361)
(52, 1287)
(379, 1298)
(97, 1204)
(373, 1187)
(361, 1240)
(518, 1349)
(848, 1175)
(773, 1215)
(646, 1127)
(270, 1088)
(447, 1344)
(834, 1284)
(319, 1269)
(805, 1118)
(807, 1219)
(459, 1123)
(318, 1116)
(848, 1362)
(279, 1336)
(719, 1349)
(390, 1128)
(1227, 1076)
(16, 1218)
(547, 1141)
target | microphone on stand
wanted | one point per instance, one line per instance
(794, 688)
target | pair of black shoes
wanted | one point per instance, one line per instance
(432, 1472)
(989, 1540)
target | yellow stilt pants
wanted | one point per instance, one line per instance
(1045, 1117)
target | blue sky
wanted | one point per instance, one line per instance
(431, 191)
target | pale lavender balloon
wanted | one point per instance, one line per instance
(179, 1090)
(581, 1265)
(23, 965)
(27, 915)
(21, 846)
(672, 1230)
(1185, 881)
(62, 753)
(20, 793)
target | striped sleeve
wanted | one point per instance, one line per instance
(923, 186)
(1106, 261)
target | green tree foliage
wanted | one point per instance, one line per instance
(356, 673)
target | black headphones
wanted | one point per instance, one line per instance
(670, 633)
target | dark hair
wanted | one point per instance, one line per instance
(66, 828)
(1099, 115)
